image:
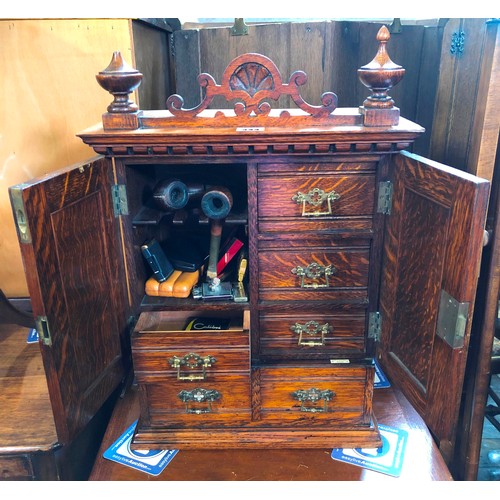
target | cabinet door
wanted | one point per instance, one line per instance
(69, 239)
(432, 254)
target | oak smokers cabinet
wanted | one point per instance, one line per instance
(356, 250)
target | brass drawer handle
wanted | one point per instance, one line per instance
(313, 396)
(192, 361)
(314, 271)
(311, 329)
(199, 395)
(316, 197)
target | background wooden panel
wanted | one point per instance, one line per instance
(48, 72)
(330, 52)
(457, 92)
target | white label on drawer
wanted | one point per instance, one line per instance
(249, 129)
(339, 361)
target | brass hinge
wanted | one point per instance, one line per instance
(239, 28)
(384, 197)
(119, 195)
(374, 326)
(452, 320)
(23, 230)
(42, 327)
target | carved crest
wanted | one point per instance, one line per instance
(251, 80)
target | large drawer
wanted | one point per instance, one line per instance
(315, 197)
(312, 395)
(326, 272)
(301, 334)
(223, 401)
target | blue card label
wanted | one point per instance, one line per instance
(387, 459)
(380, 379)
(150, 461)
(32, 336)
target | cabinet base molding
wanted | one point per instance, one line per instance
(368, 437)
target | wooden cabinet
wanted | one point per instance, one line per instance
(352, 244)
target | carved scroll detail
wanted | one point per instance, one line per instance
(251, 79)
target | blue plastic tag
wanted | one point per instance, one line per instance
(150, 461)
(381, 380)
(387, 459)
(32, 336)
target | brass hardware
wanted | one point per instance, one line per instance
(316, 197)
(384, 202)
(42, 327)
(199, 395)
(313, 396)
(192, 361)
(452, 320)
(16, 195)
(374, 326)
(239, 28)
(312, 329)
(314, 271)
(457, 43)
(120, 203)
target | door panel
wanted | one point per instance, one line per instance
(74, 269)
(433, 244)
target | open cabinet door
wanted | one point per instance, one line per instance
(71, 248)
(433, 244)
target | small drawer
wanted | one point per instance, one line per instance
(162, 346)
(315, 197)
(225, 401)
(315, 395)
(302, 334)
(327, 272)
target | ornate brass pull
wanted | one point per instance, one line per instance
(316, 197)
(311, 329)
(314, 271)
(199, 395)
(313, 396)
(192, 361)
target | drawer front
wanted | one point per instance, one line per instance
(312, 396)
(193, 363)
(322, 273)
(15, 468)
(315, 198)
(301, 334)
(224, 401)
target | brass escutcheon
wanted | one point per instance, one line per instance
(192, 361)
(316, 197)
(313, 395)
(314, 271)
(199, 395)
(311, 329)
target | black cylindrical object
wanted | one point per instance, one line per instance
(217, 203)
(170, 194)
(174, 194)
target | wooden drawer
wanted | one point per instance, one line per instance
(315, 395)
(160, 345)
(301, 334)
(224, 401)
(315, 197)
(326, 272)
(15, 467)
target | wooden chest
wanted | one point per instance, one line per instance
(356, 250)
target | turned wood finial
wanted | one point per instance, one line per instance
(120, 80)
(380, 75)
